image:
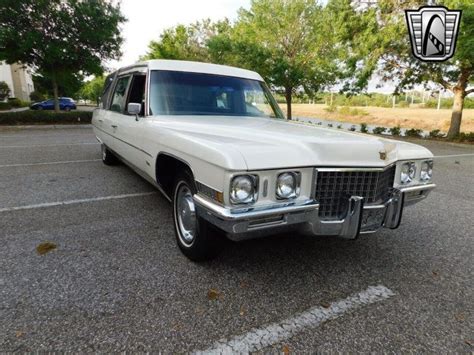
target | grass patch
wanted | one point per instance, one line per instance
(31, 117)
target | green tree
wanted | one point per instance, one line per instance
(186, 42)
(92, 90)
(377, 40)
(287, 42)
(4, 90)
(68, 86)
(60, 38)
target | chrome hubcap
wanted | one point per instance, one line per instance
(186, 213)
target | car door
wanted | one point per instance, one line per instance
(48, 105)
(131, 128)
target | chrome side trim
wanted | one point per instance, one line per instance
(121, 140)
(142, 174)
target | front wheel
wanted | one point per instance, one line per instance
(196, 237)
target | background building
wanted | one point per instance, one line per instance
(19, 79)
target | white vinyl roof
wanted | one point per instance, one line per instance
(196, 67)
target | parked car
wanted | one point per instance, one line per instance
(65, 103)
(213, 140)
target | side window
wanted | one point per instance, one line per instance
(118, 99)
(136, 94)
(107, 90)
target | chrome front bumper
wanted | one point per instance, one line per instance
(248, 223)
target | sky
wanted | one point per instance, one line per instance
(148, 18)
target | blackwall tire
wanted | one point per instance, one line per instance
(108, 158)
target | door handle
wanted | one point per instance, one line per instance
(114, 126)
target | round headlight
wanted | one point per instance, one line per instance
(407, 173)
(242, 189)
(426, 172)
(287, 185)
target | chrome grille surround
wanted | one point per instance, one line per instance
(335, 186)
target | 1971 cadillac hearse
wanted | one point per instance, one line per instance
(213, 140)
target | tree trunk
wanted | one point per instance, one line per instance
(288, 91)
(456, 115)
(55, 94)
(459, 93)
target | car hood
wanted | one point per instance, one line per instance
(271, 143)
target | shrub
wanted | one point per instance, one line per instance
(5, 106)
(363, 128)
(36, 96)
(14, 102)
(414, 132)
(44, 117)
(4, 90)
(358, 112)
(339, 126)
(345, 110)
(465, 137)
(330, 124)
(352, 128)
(332, 108)
(436, 133)
(403, 104)
(379, 130)
(395, 131)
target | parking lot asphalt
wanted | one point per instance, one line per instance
(117, 281)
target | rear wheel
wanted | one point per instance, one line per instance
(196, 237)
(108, 158)
(67, 109)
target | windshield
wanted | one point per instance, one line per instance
(184, 93)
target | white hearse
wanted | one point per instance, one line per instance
(213, 140)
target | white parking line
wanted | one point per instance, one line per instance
(72, 202)
(46, 145)
(454, 156)
(50, 163)
(259, 338)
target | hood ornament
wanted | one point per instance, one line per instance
(383, 154)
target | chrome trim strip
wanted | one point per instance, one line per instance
(418, 188)
(335, 169)
(232, 215)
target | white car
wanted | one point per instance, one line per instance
(213, 140)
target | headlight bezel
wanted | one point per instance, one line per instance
(296, 175)
(410, 173)
(429, 171)
(253, 196)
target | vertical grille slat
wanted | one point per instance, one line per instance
(333, 189)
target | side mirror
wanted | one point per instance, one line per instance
(134, 108)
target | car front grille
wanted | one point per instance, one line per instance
(334, 188)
